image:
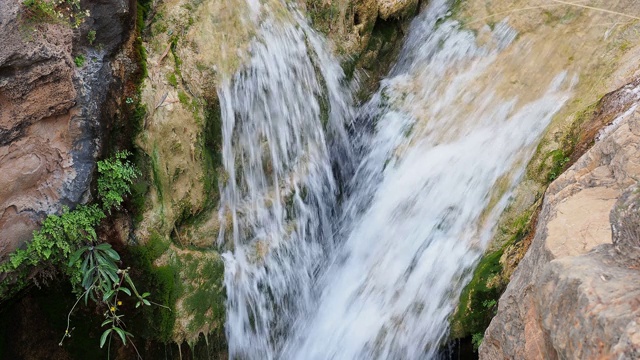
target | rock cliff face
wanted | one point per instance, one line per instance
(575, 293)
(50, 111)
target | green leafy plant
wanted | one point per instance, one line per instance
(79, 60)
(41, 10)
(559, 161)
(70, 242)
(91, 36)
(106, 284)
(476, 340)
(115, 179)
(55, 11)
(489, 304)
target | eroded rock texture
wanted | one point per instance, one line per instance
(396, 8)
(576, 293)
(49, 113)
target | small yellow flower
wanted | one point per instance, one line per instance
(119, 303)
(113, 309)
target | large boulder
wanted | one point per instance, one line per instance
(575, 293)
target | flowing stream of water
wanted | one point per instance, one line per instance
(356, 245)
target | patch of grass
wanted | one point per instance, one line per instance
(58, 12)
(41, 10)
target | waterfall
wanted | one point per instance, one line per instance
(284, 118)
(371, 266)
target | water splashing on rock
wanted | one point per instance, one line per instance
(369, 266)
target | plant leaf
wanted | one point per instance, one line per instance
(122, 334)
(76, 255)
(107, 295)
(103, 338)
(103, 246)
(112, 254)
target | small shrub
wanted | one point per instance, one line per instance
(55, 11)
(79, 60)
(115, 179)
(41, 10)
(91, 36)
(476, 340)
(489, 304)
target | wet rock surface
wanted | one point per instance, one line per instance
(575, 294)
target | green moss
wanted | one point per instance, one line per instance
(184, 99)
(472, 316)
(378, 56)
(156, 171)
(556, 161)
(154, 248)
(323, 14)
(166, 287)
(172, 80)
(176, 59)
(211, 144)
(164, 284)
(479, 299)
(143, 7)
(159, 27)
(206, 301)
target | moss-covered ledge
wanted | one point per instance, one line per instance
(189, 46)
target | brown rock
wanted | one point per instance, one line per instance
(50, 113)
(396, 8)
(575, 295)
(36, 98)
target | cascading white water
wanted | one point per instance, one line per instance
(376, 274)
(281, 193)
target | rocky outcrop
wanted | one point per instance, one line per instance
(575, 293)
(36, 98)
(396, 8)
(367, 34)
(50, 110)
